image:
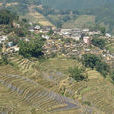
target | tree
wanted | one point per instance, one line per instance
(32, 48)
(4, 60)
(90, 60)
(103, 30)
(77, 73)
(20, 32)
(15, 39)
(50, 32)
(99, 42)
(103, 68)
(112, 75)
(7, 17)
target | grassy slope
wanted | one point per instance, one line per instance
(81, 21)
(36, 17)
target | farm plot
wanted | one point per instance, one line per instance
(37, 96)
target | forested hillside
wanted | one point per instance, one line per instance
(102, 10)
(78, 4)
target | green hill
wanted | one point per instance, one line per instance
(77, 4)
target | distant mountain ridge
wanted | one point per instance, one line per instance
(78, 4)
(103, 10)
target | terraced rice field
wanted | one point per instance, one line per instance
(35, 95)
(36, 17)
(52, 79)
(48, 73)
(80, 22)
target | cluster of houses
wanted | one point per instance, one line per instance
(75, 33)
(69, 49)
(7, 47)
(80, 39)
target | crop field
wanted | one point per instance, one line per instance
(36, 17)
(45, 87)
(26, 96)
(81, 21)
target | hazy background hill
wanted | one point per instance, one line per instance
(103, 10)
(78, 4)
(87, 12)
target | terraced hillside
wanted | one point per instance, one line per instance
(36, 95)
(36, 17)
(52, 74)
(21, 95)
(81, 21)
(56, 92)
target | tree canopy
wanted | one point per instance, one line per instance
(7, 17)
(93, 61)
(99, 42)
(77, 73)
(31, 48)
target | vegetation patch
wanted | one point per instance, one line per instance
(93, 61)
(77, 73)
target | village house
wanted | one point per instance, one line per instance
(10, 44)
(27, 40)
(86, 30)
(13, 49)
(76, 37)
(86, 40)
(91, 33)
(3, 39)
(45, 37)
(37, 27)
(46, 29)
(108, 35)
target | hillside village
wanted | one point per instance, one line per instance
(66, 42)
(53, 70)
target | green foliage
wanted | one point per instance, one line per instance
(50, 32)
(99, 42)
(32, 48)
(20, 32)
(90, 60)
(77, 73)
(112, 75)
(93, 61)
(4, 60)
(6, 17)
(15, 39)
(103, 30)
(7, 29)
(103, 68)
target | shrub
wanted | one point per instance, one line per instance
(103, 68)
(4, 60)
(92, 61)
(77, 73)
(99, 42)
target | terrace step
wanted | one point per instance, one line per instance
(36, 95)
